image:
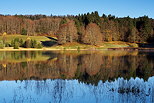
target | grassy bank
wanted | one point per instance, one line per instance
(104, 45)
(50, 43)
(9, 38)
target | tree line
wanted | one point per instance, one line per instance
(89, 28)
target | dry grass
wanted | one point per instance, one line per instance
(117, 44)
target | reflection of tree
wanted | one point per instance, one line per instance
(66, 91)
(91, 63)
(58, 91)
(61, 93)
(19, 55)
(67, 65)
(89, 68)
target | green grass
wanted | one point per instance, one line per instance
(9, 38)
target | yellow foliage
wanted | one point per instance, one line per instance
(4, 65)
(4, 33)
(28, 38)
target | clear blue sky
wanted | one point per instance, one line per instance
(120, 8)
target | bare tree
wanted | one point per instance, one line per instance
(92, 35)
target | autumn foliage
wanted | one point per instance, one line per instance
(67, 33)
(92, 35)
(89, 28)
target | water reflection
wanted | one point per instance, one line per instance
(70, 76)
(87, 67)
(68, 91)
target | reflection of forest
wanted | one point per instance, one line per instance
(22, 56)
(72, 91)
(86, 67)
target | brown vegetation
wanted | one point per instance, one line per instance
(67, 33)
(92, 35)
(87, 28)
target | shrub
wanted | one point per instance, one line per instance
(16, 45)
(24, 31)
(28, 43)
(12, 43)
(1, 44)
(39, 45)
(21, 42)
(33, 43)
(7, 44)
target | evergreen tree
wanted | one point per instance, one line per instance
(1, 44)
(39, 45)
(24, 31)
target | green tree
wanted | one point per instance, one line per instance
(132, 37)
(63, 21)
(33, 44)
(23, 31)
(39, 45)
(144, 26)
(1, 44)
(16, 45)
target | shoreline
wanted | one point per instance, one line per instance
(43, 49)
(88, 49)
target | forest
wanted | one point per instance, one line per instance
(89, 28)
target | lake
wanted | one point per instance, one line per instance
(77, 77)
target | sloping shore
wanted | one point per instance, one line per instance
(74, 49)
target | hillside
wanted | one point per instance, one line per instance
(88, 28)
(83, 31)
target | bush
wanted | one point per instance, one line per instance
(28, 43)
(39, 46)
(7, 45)
(21, 42)
(1, 44)
(24, 31)
(16, 45)
(12, 43)
(33, 43)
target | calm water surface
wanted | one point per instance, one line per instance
(77, 77)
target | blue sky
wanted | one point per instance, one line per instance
(120, 8)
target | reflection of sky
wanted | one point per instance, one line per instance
(71, 91)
